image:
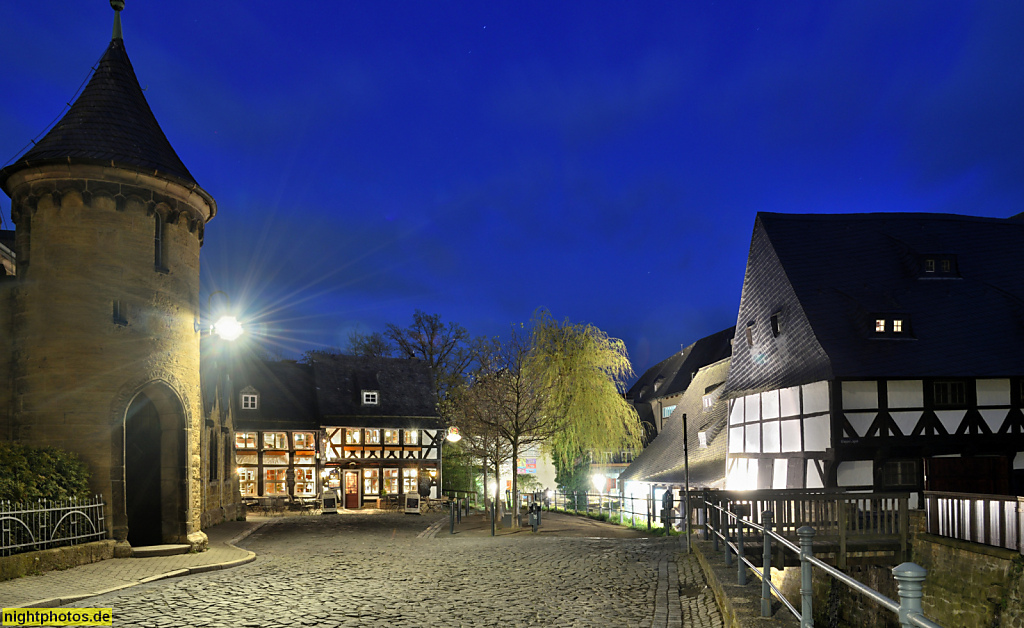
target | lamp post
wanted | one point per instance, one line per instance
(686, 480)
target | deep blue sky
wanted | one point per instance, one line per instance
(479, 159)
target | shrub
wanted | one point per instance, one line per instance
(29, 474)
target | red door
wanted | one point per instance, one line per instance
(351, 489)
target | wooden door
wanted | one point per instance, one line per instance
(351, 489)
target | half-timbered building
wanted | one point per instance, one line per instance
(382, 434)
(879, 351)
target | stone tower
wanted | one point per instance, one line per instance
(104, 310)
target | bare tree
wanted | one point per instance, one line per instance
(447, 348)
(372, 345)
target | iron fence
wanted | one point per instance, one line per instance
(46, 524)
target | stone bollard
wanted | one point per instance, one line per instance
(909, 580)
(806, 535)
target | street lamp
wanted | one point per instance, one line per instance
(453, 435)
(228, 328)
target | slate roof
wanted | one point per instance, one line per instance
(675, 373)
(406, 390)
(662, 461)
(286, 393)
(110, 122)
(829, 275)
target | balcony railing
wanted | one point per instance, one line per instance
(987, 519)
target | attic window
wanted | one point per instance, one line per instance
(750, 334)
(939, 266)
(892, 326)
(880, 325)
(371, 398)
(897, 325)
(709, 401)
(658, 382)
(702, 437)
(249, 402)
(776, 321)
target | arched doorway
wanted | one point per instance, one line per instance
(154, 467)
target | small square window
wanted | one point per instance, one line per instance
(412, 437)
(371, 397)
(880, 325)
(249, 402)
(897, 326)
(390, 437)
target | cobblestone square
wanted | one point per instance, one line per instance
(376, 569)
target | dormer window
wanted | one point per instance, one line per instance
(939, 266)
(250, 402)
(892, 326)
(702, 438)
(776, 321)
(708, 401)
(371, 398)
(658, 382)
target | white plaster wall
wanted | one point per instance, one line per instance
(789, 401)
(993, 392)
(780, 473)
(817, 433)
(753, 439)
(854, 473)
(860, 395)
(770, 404)
(1018, 460)
(905, 393)
(736, 411)
(813, 479)
(752, 408)
(771, 439)
(736, 439)
(791, 435)
(815, 397)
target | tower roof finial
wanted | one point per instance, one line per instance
(117, 6)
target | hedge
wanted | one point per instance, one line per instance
(29, 474)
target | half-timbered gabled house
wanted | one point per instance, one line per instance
(382, 432)
(879, 351)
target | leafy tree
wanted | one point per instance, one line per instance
(583, 373)
(37, 473)
(466, 408)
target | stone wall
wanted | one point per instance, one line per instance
(31, 563)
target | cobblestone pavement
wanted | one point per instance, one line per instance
(374, 569)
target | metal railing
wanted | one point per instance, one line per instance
(909, 576)
(470, 496)
(988, 519)
(631, 510)
(46, 524)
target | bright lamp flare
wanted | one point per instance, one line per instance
(228, 328)
(453, 435)
(600, 481)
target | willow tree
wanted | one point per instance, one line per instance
(583, 373)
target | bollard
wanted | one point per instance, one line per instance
(494, 513)
(909, 580)
(458, 510)
(766, 565)
(806, 535)
(451, 517)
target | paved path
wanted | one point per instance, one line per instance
(377, 569)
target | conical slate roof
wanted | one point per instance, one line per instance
(110, 123)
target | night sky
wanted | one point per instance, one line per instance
(480, 160)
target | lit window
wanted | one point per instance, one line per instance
(702, 437)
(303, 440)
(897, 326)
(352, 437)
(372, 437)
(305, 481)
(666, 411)
(248, 402)
(274, 482)
(371, 481)
(929, 266)
(275, 440)
(245, 440)
(708, 401)
(390, 437)
(247, 482)
(371, 397)
(391, 480)
(880, 325)
(409, 484)
(412, 437)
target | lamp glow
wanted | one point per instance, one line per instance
(453, 435)
(228, 328)
(599, 481)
